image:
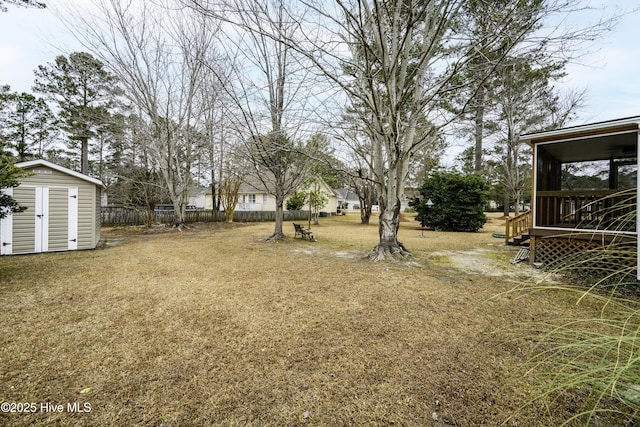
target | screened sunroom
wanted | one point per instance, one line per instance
(585, 181)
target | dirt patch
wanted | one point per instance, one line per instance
(476, 261)
(492, 262)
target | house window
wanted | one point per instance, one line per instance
(252, 198)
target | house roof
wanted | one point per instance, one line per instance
(39, 162)
(252, 184)
(199, 191)
(345, 194)
(612, 139)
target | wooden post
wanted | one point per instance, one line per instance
(309, 210)
(506, 230)
(532, 249)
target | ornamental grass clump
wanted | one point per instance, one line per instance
(596, 360)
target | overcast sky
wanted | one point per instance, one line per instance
(30, 37)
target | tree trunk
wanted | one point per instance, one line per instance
(365, 204)
(213, 191)
(516, 173)
(507, 199)
(479, 129)
(278, 234)
(389, 247)
(228, 213)
(179, 212)
(365, 213)
(84, 155)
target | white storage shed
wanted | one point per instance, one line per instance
(63, 211)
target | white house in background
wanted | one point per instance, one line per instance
(254, 196)
(198, 198)
(347, 199)
(331, 208)
(63, 211)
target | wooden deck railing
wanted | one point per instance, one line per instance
(517, 225)
(583, 208)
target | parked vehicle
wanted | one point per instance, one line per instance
(170, 208)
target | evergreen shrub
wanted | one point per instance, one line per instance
(458, 202)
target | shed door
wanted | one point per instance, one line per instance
(60, 219)
(50, 222)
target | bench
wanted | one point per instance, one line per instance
(303, 232)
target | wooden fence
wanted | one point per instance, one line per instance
(123, 215)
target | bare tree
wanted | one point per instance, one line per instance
(269, 89)
(381, 55)
(359, 175)
(396, 61)
(230, 183)
(385, 67)
(221, 140)
(160, 59)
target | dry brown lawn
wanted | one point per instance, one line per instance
(213, 326)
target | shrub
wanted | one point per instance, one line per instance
(458, 202)
(296, 201)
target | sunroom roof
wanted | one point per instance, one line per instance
(613, 139)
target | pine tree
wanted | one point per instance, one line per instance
(85, 92)
(9, 178)
(28, 124)
(24, 3)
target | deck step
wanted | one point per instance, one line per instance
(521, 240)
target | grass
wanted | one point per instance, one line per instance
(213, 326)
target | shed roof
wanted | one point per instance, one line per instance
(612, 139)
(39, 162)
